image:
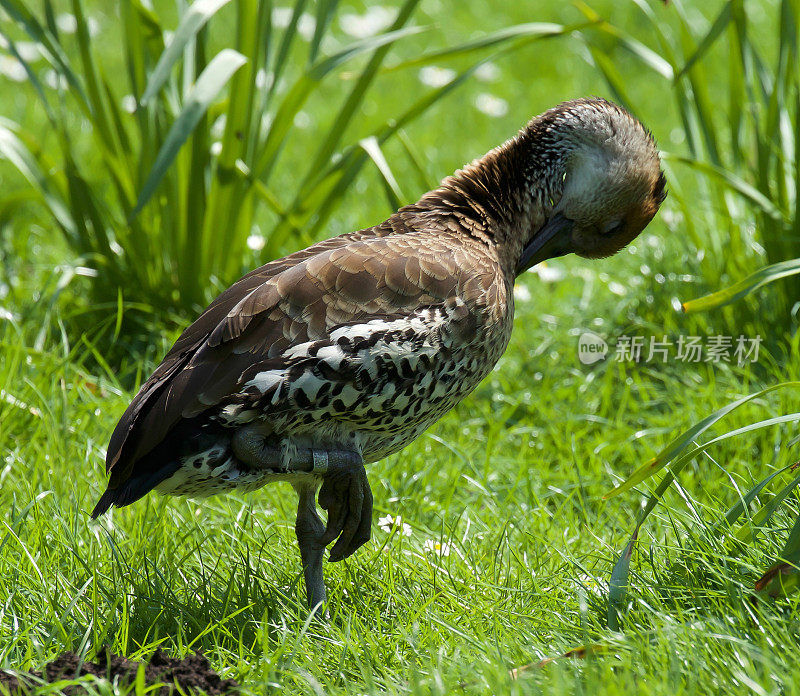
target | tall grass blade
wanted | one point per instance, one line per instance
(718, 26)
(618, 583)
(32, 76)
(686, 457)
(193, 20)
(424, 180)
(783, 577)
(736, 510)
(393, 193)
(531, 31)
(763, 276)
(353, 101)
(48, 44)
(300, 91)
(614, 78)
(747, 532)
(674, 448)
(18, 154)
(289, 35)
(646, 56)
(619, 576)
(325, 11)
(326, 65)
(354, 158)
(732, 181)
(208, 86)
(91, 76)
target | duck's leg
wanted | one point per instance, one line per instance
(309, 530)
(345, 494)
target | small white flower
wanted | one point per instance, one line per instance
(281, 17)
(491, 105)
(302, 119)
(264, 79)
(218, 127)
(256, 242)
(12, 69)
(67, 23)
(55, 81)
(549, 274)
(28, 51)
(306, 26)
(374, 20)
(432, 76)
(617, 288)
(590, 583)
(215, 149)
(129, 103)
(521, 293)
(389, 523)
(441, 549)
(488, 72)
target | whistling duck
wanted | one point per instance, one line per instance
(338, 355)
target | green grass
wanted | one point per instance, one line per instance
(512, 481)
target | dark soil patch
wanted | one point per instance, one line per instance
(192, 672)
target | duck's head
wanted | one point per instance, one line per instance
(595, 174)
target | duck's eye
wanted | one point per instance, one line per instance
(614, 228)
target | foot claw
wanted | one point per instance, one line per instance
(347, 497)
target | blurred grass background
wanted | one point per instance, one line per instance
(511, 544)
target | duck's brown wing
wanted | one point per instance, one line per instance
(301, 298)
(189, 342)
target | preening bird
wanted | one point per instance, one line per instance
(336, 356)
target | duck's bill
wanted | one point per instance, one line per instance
(551, 241)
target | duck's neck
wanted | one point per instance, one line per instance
(504, 197)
